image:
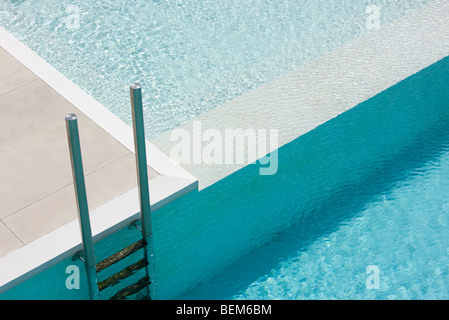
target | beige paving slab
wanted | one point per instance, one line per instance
(36, 189)
(33, 143)
(43, 216)
(12, 73)
(101, 188)
(59, 207)
(8, 240)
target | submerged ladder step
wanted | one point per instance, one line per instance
(132, 289)
(121, 275)
(122, 254)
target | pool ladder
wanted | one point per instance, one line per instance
(141, 284)
(145, 244)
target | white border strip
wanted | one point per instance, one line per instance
(172, 182)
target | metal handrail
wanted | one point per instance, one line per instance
(142, 177)
(81, 201)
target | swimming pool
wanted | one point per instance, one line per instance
(393, 221)
(395, 224)
(190, 56)
(366, 189)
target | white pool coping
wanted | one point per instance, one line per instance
(172, 182)
(367, 66)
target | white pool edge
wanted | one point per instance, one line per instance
(172, 182)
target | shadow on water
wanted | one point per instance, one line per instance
(416, 110)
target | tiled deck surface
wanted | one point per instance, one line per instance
(36, 189)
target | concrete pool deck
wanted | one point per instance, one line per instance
(35, 177)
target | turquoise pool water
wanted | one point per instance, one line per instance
(367, 188)
(397, 221)
(393, 216)
(190, 55)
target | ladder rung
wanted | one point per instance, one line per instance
(125, 273)
(132, 289)
(120, 255)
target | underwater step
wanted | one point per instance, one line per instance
(121, 275)
(122, 254)
(132, 289)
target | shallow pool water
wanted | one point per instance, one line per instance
(190, 55)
